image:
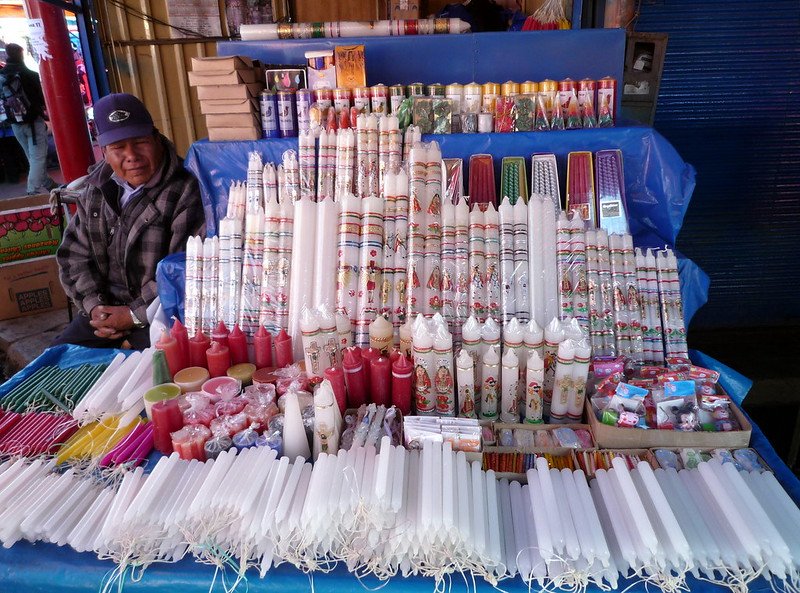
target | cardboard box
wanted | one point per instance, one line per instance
(589, 469)
(29, 288)
(321, 71)
(498, 426)
(244, 133)
(229, 92)
(233, 120)
(223, 78)
(403, 9)
(222, 64)
(219, 106)
(28, 229)
(350, 66)
(614, 437)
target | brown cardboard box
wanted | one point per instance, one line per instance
(30, 287)
(614, 437)
(219, 106)
(350, 66)
(221, 78)
(244, 133)
(232, 120)
(229, 91)
(222, 64)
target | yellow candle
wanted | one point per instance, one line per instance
(243, 372)
(380, 334)
(160, 393)
(191, 379)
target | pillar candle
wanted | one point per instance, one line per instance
(477, 264)
(191, 378)
(402, 369)
(534, 378)
(167, 418)
(395, 354)
(312, 350)
(509, 411)
(461, 274)
(159, 393)
(180, 333)
(370, 267)
(336, 377)
(490, 335)
(218, 358)
(220, 334)
(344, 329)
(197, 349)
(348, 250)
(490, 365)
(368, 355)
(422, 349)
(262, 345)
(562, 382)
(302, 267)
(252, 269)
(380, 334)
(417, 226)
(508, 295)
(160, 369)
(328, 338)
(242, 371)
(400, 248)
(513, 338)
(465, 377)
(325, 254)
(355, 377)
(380, 380)
(237, 342)
(284, 355)
(553, 336)
(172, 351)
(443, 380)
(580, 372)
(521, 282)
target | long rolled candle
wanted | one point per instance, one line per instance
(606, 304)
(386, 289)
(465, 376)
(349, 243)
(593, 293)
(252, 270)
(325, 255)
(579, 375)
(536, 271)
(577, 258)
(231, 237)
(477, 264)
(632, 299)
(492, 245)
(508, 295)
(302, 267)
(400, 248)
(461, 273)
(210, 273)
(471, 343)
(353, 29)
(417, 228)
(271, 257)
(553, 336)
(345, 163)
(655, 311)
(370, 267)
(620, 307)
(551, 305)
(565, 286)
(433, 231)
(449, 263)
(286, 254)
(194, 285)
(308, 174)
(520, 247)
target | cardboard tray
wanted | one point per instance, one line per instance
(243, 133)
(646, 454)
(613, 437)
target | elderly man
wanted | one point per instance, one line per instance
(138, 205)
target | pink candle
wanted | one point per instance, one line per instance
(219, 359)
(336, 376)
(402, 370)
(237, 342)
(179, 332)
(355, 377)
(167, 418)
(262, 344)
(220, 334)
(380, 380)
(283, 349)
(197, 349)
(172, 351)
(368, 355)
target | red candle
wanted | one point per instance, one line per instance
(395, 355)
(262, 343)
(172, 351)
(355, 377)
(380, 380)
(336, 376)
(220, 334)
(368, 355)
(179, 332)
(167, 418)
(283, 349)
(197, 350)
(219, 359)
(402, 370)
(237, 342)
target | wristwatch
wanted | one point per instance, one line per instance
(136, 322)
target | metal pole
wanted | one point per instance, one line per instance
(62, 92)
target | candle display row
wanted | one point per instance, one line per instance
(390, 511)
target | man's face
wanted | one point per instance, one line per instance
(135, 159)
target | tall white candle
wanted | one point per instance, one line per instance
(389, 197)
(465, 376)
(579, 375)
(536, 275)
(632, 299)
(508, 295)
(349, 244)
(252, 270)
(417, 229)
(577, 259)
(550, 267)
(565, 286)
(194, 283)
(553, 336)
(210, 274)
(461, 274)
(490, 378)
(370, 267)
(283, 279)
(344, 330)
(302, 267)
(325, 254)
(271, 257)
(513, 336)
(449, 277)
(400, 247)
(432, 276)
(307, 170)
(509, 411)
(521, 288)
(533, 388)
(562, 383)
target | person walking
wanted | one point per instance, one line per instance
(23, 102)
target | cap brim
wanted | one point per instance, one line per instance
(124, 133)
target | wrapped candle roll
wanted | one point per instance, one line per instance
(423, 367)
(580, 372)
(562, 382)
(444, 385)
(349, 243)
(465, 376)
(553, 336)
(477, 264)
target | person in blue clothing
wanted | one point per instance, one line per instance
(28, 122)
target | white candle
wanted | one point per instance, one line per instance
(400, 247)
(389, 197)
(536, 275)
(312, 346)
(283, 280)
(632, 299)
(553, 336)
(194, 283)
(345, 163)
(461, 274)
(490, 335)
(344, 330)
(492, 246)
(508, 295)
(308, 178)
(348, 249)
(562, 383)
(513, 336)
(271, 255)
(252, 270)
(302, 267)
(550, 267)
(443, 383)
(326, 420)
(614, 512)
(423, 367)
(432, 275)
(405, 332)
(571, 544)
(520, 285)
(210, 273)
(370, 267)
(465, 375)
(325, 243)
(449, 277)
(328, 339)
(490, 382)
(509, 411)
(477, 264)
(634, 504)
(579, 374)
(533, 388)
(417, 228)
(541, 509)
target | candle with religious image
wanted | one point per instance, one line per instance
(465, 376)
(579, 374)
(492, 246)
(370, 267)
(328, 338)
(344, 331)
(312, 352)
(533, 388)
(553, 336)
(433, 231)
(562, 383)
(509, 410)
(417, 228)
(423, 367)
(477, 263)
(443, 383)
(490, 367)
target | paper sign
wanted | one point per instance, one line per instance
(38, 43)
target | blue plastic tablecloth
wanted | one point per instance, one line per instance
(45, 568)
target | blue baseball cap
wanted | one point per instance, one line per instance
(120, 116)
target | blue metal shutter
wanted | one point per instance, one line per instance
(730, 103)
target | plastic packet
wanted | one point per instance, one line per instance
(543, 439)
(217, 445)
(442, 116)
(668, 459)
(260, 414)
(404, 113)
(566, 437)
(748, 460)
(200, 412)
(691, 458)
(573, 113)
(715, 414)
(524, 113)
(273, 440)
(291, 377)
(423, 114)
(245, 438)
(392, 426)
(505, 437)
(230, 407)
(193, 400)
(228, 425)
(585, 438)
(504, 114)
(524, 439)
(261, 393)
(725, 456)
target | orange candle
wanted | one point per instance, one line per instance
(179, 332)
(172, 352)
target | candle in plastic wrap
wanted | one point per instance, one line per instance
(370, 267)
(302, 267)
(348, 250)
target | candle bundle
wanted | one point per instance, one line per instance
(35, 433)
(95, 439)
(671, 304)
(52, 389)
(354, 29)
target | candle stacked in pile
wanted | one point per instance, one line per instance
(253, 509)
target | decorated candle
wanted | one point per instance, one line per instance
(490, 335)
(477, 264)
(402, 369)
(284, 355)
(509, 411)
(312, 347)
(327, 420)
(380, 334)
(198, 345)
(423, 368)
(172, 351)
(443, 383)
(344, 329)
(348, 250)
(380, 380)
(406, 337)
(167, 418)
(553, 336)
(508, 297)
(355, 377)
(262, 346)
(417, 227)
(368, 355)
(448, 251)
(328, 338)
(191, 379)
(492, 261)
(370, 266)
(533, 388)
(243, 372)
(471, 342)
(490, 367)
(432, 276)
(461, 267)
(237, 343)
(562, 382)
(580, 372)
(465, 376)
(218, 358)
(178, 331)
(336, 377)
